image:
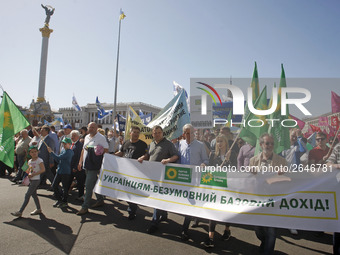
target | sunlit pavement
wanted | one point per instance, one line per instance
(106, 230)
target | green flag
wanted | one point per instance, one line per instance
(280, 133)
(251, 133)
(255, 84)
(255, 91)
(25, 166)
(229, 119)
(12, 121)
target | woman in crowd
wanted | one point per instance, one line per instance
(219, 158)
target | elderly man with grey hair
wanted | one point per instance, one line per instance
(21, 151)
(266, 158)
(91, 162)
(191, 152)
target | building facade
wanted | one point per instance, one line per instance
(315, 121)
(89, 113)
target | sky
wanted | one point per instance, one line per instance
(166, 41)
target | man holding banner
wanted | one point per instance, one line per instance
(164, 151)
(192, 152)
(133, 148)
(266, 158)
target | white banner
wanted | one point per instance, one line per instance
(304, 201)
(171, 118)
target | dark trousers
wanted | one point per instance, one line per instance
(80, 177)
(186, 223)
(3, 168)
(20, 163)
(267, 235)
(132, 209)
(212, 225)
(336, 244)
(47, 175)
(157, 214)
(62, 194)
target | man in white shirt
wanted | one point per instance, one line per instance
(92, 140)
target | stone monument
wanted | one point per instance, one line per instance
(40, 110)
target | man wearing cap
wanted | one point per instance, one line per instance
(92, 140)
(63, 172)
(67, 133)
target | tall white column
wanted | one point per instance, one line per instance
(45, 31)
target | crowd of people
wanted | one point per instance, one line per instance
(73, 159)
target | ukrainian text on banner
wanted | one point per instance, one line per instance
(296, 200)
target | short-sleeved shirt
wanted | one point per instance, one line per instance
(317, 154)
(89, 141)
(22, 146)
(35, 165)
(134, 150)
(113, 144)
(162, 150)
(335, 155)
(193, 153)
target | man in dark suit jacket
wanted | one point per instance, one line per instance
(45, 155)
(80, 176)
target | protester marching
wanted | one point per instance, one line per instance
(267, 176)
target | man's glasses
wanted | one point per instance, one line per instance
(269, 143)
(320, 139)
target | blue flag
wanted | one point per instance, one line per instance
(101, 111)
(75, 104)
(146, 118)
(121, 122)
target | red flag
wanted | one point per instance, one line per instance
(323, 121)
(315, 128)
(300, 123)
(332, 130)
(325, 131)
(335, 122)
(335, 102)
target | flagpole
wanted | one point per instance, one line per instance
(116, 83)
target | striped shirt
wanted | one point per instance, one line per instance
(334, 158)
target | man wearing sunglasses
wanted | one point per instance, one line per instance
(266, 158)
(317, 154)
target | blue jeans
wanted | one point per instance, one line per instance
(90, 182)
(267, 235)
